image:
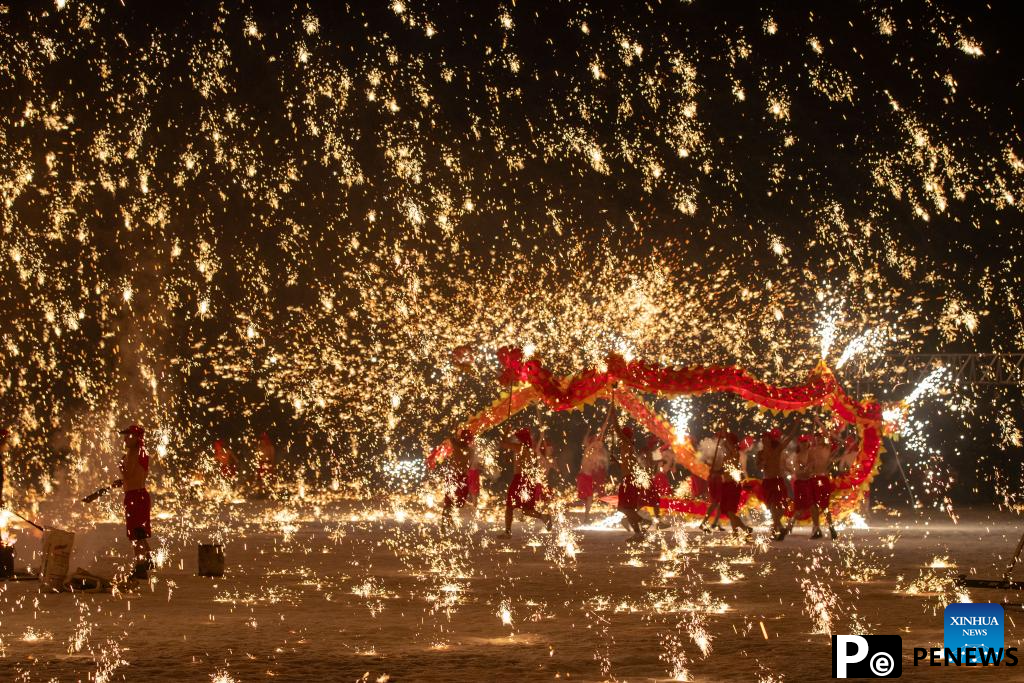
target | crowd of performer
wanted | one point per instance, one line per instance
(793, 483)
(792, 468)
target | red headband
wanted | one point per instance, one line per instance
(133, 430)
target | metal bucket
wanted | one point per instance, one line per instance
(211, 559)
(7, 562)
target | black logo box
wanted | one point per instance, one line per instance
(877, 646)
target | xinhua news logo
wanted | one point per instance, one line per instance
(867, 656)
(974, 629)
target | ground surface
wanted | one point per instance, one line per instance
(337, 592)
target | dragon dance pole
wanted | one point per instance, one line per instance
(906, 482)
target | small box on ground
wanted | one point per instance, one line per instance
(57, 546)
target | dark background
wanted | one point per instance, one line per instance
(158, 79)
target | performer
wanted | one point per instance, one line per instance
(226, 459)
(820, 456)
(659, 467)
(812, 487)
(771, 460)
(458, 482)
(546, 461)
(594, 467)
(846, 453)
(4, 447)
(137, 504)
(729, 502)
(634, 483)
(267, 463)
(526, 488)
(801, 480)
(473, 473)
(714, 490)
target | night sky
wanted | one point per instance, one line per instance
(223, 218)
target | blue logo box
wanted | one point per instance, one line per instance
(974, 625)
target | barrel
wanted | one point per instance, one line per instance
(211, 559)
(6, 561)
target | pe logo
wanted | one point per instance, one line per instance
(973, 628)
(867, 656)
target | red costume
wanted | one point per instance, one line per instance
(775, 492)
(223, 456)
(459, 491)
(661, 484)
(589, 484)
(462, 485)
(631, 496)
(659, 488)
(524, 494)
(698, 486)
(715, 488)
(819, 490)
(137, 504)
(730, 492)
(802, 494)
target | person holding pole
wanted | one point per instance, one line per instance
(526, 489)
(771, 460)
(714, 491)
(633, 486)
(732, 473)
(457, 476)
(593, 468)
(137, 503)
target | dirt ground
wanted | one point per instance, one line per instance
(337, 591)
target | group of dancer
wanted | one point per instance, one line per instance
(646, 474)
(265, 467)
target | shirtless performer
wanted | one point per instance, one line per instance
(526, 488)
(731, 472)
(663, 464)
(593, 468)
(801, 480)
(458, 483)
(714, 491)
(137, 504)
(635, 479)
(658, 467)
(820, 457)
(813, 487)
(771, 460)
